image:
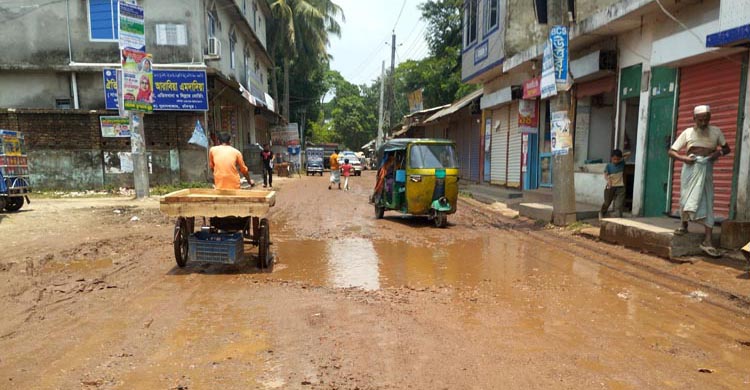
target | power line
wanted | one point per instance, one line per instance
(403, 5)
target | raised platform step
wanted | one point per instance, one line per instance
(654, 235)
(543, 211)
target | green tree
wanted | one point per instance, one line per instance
(299, 35)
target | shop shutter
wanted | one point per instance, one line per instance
(716, 83)
(499, 157)
(475, 144)
(458, 134)
(515, 141)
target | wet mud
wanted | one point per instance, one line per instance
(352, 302)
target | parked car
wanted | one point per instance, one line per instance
(314, 166)
(353, 159)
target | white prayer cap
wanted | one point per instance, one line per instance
(704, 109)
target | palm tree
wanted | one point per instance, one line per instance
(301, 28)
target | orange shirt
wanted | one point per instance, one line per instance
(334, 162)
(223, 160)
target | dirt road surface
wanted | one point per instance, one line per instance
(91, 298)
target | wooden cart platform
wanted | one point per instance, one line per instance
(230, 213)
(206, 202)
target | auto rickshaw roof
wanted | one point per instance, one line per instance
(402, 143)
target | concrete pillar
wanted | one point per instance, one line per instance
(743, 181)
(639, 179)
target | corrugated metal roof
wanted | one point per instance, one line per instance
(465, 101)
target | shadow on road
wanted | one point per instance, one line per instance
(418, 222)
(248, 267)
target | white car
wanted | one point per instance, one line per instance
(353, 159)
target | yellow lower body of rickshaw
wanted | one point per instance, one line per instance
(421, 186)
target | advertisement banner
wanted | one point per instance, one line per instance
(114, 126)
(558, 37)
(532, 88)
(415, 101)
(528, 117)
(562, 137)
(131, 30)
(285, 135)
(548, 86)
(174, 90)
(137, 81)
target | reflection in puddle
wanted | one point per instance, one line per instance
(353, 263)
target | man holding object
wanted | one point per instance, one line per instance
(224, 160)
(705, 144)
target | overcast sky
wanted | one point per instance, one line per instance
(362, 48)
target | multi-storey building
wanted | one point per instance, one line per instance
(54, 89)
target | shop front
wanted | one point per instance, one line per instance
(717, 83)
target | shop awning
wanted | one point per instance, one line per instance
(465, 101)
(596, 87)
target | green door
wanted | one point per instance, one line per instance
(661, 123)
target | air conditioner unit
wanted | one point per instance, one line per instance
(214, 47)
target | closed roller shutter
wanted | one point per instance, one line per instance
(475, 144)
(458, 132)
(499, 157)
(716, 83)
(515, 141)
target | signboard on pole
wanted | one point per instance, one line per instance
(532, 88)
(558, 37)
(415, 101)
(132, 27)
(114, 126)
(548, 85)
(174, 90)
(137, 81)
(285, 135)
(562, 137)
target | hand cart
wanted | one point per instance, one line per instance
(230, 219)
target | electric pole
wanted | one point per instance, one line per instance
(563, 191)
(391, 96)
(379, 140)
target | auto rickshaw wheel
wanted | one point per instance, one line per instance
(379, 211)
(265, 259)
(14, 203)
(441, 219)
(180, 241)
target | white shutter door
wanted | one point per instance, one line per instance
(514, 148)
(499, 158)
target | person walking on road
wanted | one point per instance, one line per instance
(266, 157)
(705, 144)
(335, 169)
(223, 161)
(615, 190)
(346, 170)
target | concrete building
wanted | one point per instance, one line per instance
(55, 55)
(638, 68)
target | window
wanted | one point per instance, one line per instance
(491, 15)
(470, 22)
(232, 46)
(212, 26)
(103, 24)
(171, 35)
(245, 68)
(428, 156)
(244, 7)
(255, 17)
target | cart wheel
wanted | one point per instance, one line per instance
(14, 203)
(265, 259)
(379, 211)
(2, 203)
(441, 219)
(180, 242)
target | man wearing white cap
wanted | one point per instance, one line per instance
(705, 144)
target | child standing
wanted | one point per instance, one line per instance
(346, 170)
(615, 190)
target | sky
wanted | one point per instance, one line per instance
(359, 53)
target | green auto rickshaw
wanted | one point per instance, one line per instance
(417, 176)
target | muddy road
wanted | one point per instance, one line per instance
(91, 298)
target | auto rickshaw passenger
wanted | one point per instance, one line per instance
(385, 170)
(224, 160)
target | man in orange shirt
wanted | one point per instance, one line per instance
(335, 169)
(223, 160)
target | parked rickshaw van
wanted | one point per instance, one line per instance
(419, 177)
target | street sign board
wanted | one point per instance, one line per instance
(558, 37)
(549, 88)
(132, 27)
(174, 90)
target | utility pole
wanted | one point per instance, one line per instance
(390, 103)
(140, 157)
(379, 140)
(563, 191)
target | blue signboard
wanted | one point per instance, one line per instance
(558, 37)
(174, 90)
